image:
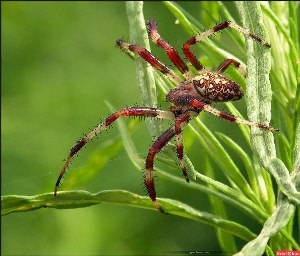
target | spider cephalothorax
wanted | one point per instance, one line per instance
(192, 95)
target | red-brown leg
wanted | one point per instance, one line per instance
(191, 57)
(179, 145)
(132, 111)
(216, 112)
(171, 52)
(226, 24)
(226, 63)
(147, 56)
(149, 177)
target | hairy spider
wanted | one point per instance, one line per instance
(192, 95)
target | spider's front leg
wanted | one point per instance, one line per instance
(131, 111)
(181, 121)
(176, 130)
(149, 177)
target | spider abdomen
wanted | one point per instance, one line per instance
(216, 87)
(208, 87)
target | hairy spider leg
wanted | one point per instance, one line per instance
(171, 52)
(131, 111)
(226, 63)
(181, 120)
(197, 104)
(147, 56)
(226, 24)
(149, 177)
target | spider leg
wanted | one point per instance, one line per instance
(149, 177)
(151, 59)
(226, 63)
(198, 104)
(181, 120)
(171, 52)
(131, 111)
(226, 24)
(191, 57)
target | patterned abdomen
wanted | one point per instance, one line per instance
(216, 87)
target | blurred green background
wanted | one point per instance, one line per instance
(59, 65)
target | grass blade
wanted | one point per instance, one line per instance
(79, 199)
(259, 101)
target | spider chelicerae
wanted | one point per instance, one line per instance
(192, 94)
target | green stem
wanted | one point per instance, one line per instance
(144, 72)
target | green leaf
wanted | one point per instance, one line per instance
(217, 152)
(79, 199)
(275, 223)
(259, 101)
(258, 106)
(226, 240)
(144, 72)
(95, 162)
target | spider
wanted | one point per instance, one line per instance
(192, 94)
